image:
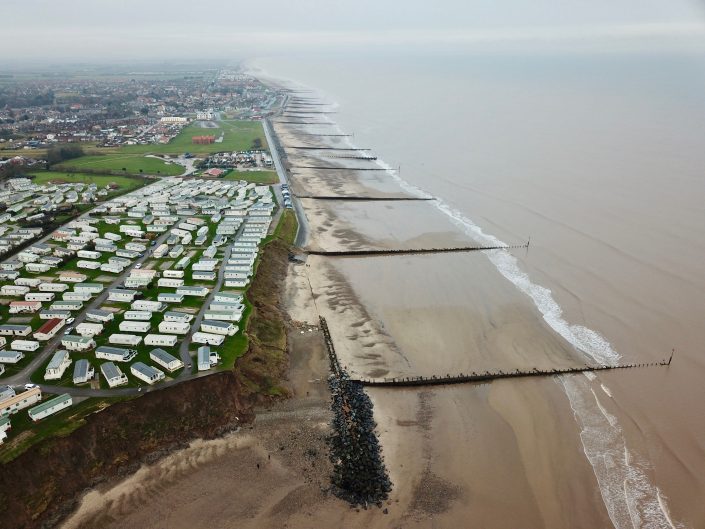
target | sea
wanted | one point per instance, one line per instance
(597, 161)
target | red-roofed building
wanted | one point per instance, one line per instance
(214, 172)
(49, 329)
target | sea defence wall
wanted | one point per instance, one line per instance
(359, 473)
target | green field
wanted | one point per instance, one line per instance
(256, 177)
(124, 182)
(128, 163)
(237, 136)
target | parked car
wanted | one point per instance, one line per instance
(70, 320)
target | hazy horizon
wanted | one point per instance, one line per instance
(44, 32)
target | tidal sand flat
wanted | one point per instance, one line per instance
(431, 315)
(337, 225)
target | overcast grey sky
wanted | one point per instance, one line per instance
(187, 29)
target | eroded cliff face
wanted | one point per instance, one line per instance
(41, 485)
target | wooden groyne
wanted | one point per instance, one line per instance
(325, 135)
(351, 157)
(333, 168)
(309, 148)
(361, 198)
(364, 253)
(496, 375)
(305, 123)
(464, 378)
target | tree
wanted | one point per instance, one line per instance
(60, 153)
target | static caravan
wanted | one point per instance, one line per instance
(128, 254)
(115, 354)
(165, 340)
(20, 401)
(160, 251)
(207, 338)
(137, 315)
(203, 276)
(7, 276)
(228, 297)
(223, 315)
(39, 296)
(28, 281)
(135, 246)
(111, 268)
(205, 265)
(164, 359)
(236, 283)
(182, 263)
(146, 373)
(169, 282)
(93, 288)
(137, 282)
(89, 329)
(206, 358)
(89, 265)
(50, 407)
(135, 326)
(144, 304)
(226, 306)
(98, 315)
(58, 365)
(76, 296)
(53, 287)
(14, 290)
(113, 375)
(49, 314)
(72, 277)
(174, 327)
(121, 295)
(125, 339)
(82, 371)
(20, 307)
(24, 345)
(10, 356)
(37, 268)
(112, 237)
(49, 329)
(78, 343)
(88, 254)
(177, 316)
(168, 297)
(15, 330)
(175, 274)
(218, 327)
(66, 305)
(176, 251)
(200, 292)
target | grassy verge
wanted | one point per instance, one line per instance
(124, 183)
(256, 177)
(25, 432)
(134, 164)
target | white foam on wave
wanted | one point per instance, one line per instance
(631, 500)
(583, 339)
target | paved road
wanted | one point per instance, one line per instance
(302, 233)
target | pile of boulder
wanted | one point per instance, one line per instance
(359, 474)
